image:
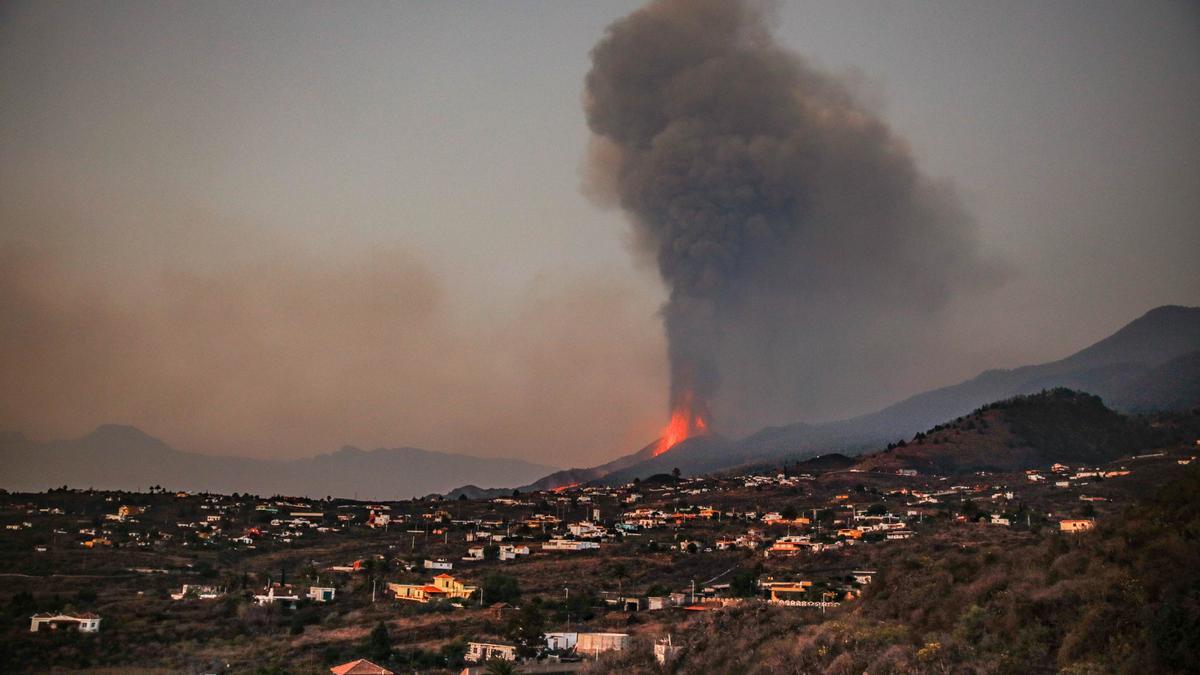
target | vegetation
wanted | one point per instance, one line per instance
(1124, 598)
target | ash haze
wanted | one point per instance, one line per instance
(270, 231)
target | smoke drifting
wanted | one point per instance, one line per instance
(804, 252)
(292, 354)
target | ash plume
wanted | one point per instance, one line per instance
(804, 252)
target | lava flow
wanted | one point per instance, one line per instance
(684, 424)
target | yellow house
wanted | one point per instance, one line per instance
(443, 587)
(789, 591)
(851, 533)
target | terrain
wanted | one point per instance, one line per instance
(914, 558)
(1151, 364)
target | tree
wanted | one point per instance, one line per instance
(675, 472)
(619, 571)
(744, 584)
(527, 630)
(454, 651)
(789, 512)
(500, 588)
(379, 643)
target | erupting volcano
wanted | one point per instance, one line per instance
(686, 422)
(787, 221)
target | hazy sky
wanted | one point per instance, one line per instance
(273, 229)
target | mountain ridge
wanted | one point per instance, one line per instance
(1113, 368)
(116, 456)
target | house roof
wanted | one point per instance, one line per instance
(360, 667)
(444, 576)
(52, 615)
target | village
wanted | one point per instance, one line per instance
(551, 580)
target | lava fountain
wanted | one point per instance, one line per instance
(686, 421)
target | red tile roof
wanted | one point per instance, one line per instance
(360, 667)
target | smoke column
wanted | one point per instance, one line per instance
(803, 250)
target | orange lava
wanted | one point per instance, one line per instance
(562, 488)
(684, 424)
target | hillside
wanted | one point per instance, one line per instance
(122, 457)
(1123, 599)
(1147, 365)
(1175, 385)
(1056, 426)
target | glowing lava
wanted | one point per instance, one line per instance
(684, 424)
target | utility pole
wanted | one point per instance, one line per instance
(372, 591)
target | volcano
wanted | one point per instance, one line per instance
(1145, 366)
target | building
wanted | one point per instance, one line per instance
(444, 587)
(478, 652)
(360, 667)
(863, 577)
(84, 623)
(1074, 526)
(192, 591)
(569, 545)
(592, 644)
(561, 642)
(664, 651)
(511, 552)
(587, 530)
(782, 592)
(444, 565)
(281, 593)
(321, 593)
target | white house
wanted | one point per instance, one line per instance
(591, 644)
(511, 551)
(321, 593)
(278, 593)
(442, 565)
(197, 592)
(478, 652)
(569, 545)
(558, 642)
(84, 623)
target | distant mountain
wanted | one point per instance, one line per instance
(565, 477)
(122, 457)
(1143, 366)
(1059, 425)
(1175, 385)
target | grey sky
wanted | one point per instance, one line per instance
(252, 150)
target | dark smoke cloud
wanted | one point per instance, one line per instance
(804, 252)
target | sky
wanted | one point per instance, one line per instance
(273, 230)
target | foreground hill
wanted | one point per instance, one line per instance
(124, 458)
(1056, 426)
(1150, 364)
(983, 599)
